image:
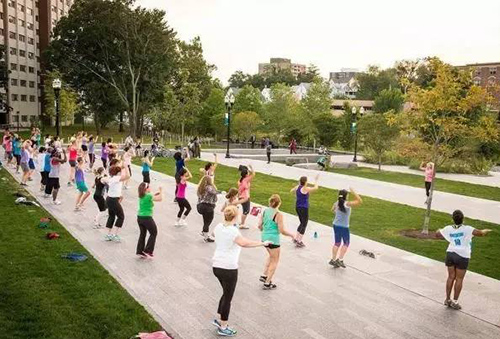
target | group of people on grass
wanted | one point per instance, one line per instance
(115, 173)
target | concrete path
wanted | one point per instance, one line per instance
(475, 208)
(397, 295)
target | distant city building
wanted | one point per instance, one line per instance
(487, 75)
(276, 64)
(25, 32)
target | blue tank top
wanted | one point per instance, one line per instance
(302, 199)
(341, 218)
(145, 167)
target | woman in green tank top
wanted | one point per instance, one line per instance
(271, 225)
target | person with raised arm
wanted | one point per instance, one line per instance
(302, 192)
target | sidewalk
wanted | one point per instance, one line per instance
(397, 295)
(474, 208)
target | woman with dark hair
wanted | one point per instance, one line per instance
(91, 150)
(458, 255)
(117, 175)
(207, 199)
(247, 175)
(181, 179)
(104, 155)
(100, 190)
(272, 224)
(342, 235)
(209, 168)
(145, 220)
(302, 191)
(180, 163)
(73, 155)
(146, 167)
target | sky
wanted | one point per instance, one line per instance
(333, 34)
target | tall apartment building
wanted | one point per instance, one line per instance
(281, 64)
(25, 31)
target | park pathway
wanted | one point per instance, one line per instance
(474, 208)
(397, 295)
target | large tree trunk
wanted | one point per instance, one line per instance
(427, 218)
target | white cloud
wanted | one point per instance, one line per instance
(238, 34)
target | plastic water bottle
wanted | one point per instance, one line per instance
(315, 235)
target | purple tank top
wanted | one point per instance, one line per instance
(79, 176)
(302, 199)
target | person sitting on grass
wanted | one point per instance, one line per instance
(458, 253)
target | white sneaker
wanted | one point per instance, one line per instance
(56, 202)
(183, 222)
(108, 237)
(178, 223)
(46, 195)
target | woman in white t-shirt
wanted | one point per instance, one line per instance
(228, 242)
(458, 254)
(117, 175)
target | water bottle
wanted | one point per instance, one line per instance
(315, 235)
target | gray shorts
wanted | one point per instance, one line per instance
(25, 167)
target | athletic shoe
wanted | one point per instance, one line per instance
(142, 256)
(108, 237)
(183, 222)
(447, 302)
(263, 278)
(269, 286)
(226, 332)
(294, 241)
(202, 234)
(300, 244)
(341, 263)
(334, 263)
(216, 323)
(149, 255)
(23, 184)
(56, 202)
(30, 179)
(178, 223)
(116, 238)
(455, 305)
(46, 195)
(77, 209)
(208, 239)
(244, 227)
(42, 189)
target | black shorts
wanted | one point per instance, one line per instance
(84, 148)
(72, 163)
(145, 177)
(53, 184)
(454, 260)
(45, 177)
(101, 202)
(272, 246)
(246, 207)
(18, 159)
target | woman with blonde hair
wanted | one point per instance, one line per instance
(272, 225)
(228, 241)
(429, 177)
(207, 199)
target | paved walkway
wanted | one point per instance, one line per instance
(397, 295)
(475, 208)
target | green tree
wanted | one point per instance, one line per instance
(246, 124)
(372, 82)
(210, 119)
(163, 115)
(316, 108)
(127, 47)
(377, 134)
(311, 75)
(449, 114)
(282, 112)
(68, 100)
(346, 135)
(239, 79)
(387, 100)
(248, 99)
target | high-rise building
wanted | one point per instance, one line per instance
(276, 64)
(25, 31)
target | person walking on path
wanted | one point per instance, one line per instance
(146, 167)
(73, 154)
(272, 225)
(53, 184)
(269, 148)
(293, 146)
(228, 242)
(145, 220)
(81, 185)
(429, 177)
(252, 140)
(244, 184)
(207, 199)
(99, 191)
(302, 191)
(117, 175)
(458, 253)
(184, 207)
(342, 209)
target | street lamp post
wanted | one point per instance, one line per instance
(229, 101)
(355, 129)
(56, 85)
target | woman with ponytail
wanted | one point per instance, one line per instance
(342, 210)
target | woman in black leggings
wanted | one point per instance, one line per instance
(117, 175)
(228, 242)
(145, 220)
(207, 198)
(302, 191)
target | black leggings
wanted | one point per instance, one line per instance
(104, 163)
(428, 188)
(268, 156)
(207, 211)
(228, 280)
(183, 204)
(91, 159)
(115, 210)
(303, 214)
(146, 224)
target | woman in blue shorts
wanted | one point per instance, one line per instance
(341, 233)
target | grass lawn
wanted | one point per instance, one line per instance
(443, 185)
(45, 296)
(376, 219)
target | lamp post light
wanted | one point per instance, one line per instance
(56, 86)
(229, 101)
(355, 129)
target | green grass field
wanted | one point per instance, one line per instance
(443, 185)
(45, 296)
(376, 219)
